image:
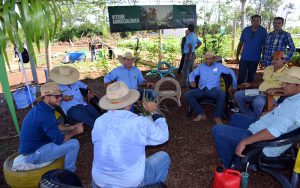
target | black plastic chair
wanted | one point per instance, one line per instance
(211, 101)
(273, 165)
(60, 178)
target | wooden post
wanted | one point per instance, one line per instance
(159, 52)
(233, 38)
(48, 55)
(243, 13)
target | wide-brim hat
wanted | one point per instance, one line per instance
(118, 96)
(50, 88)
(209, 54)
(64, 75)
(291, 76)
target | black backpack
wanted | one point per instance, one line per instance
(25, 56)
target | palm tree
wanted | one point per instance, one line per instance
(36, 20)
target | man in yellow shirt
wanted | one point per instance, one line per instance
(258, 97)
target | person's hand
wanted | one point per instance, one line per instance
(190, 57)
(150, 84)
(275, 91)
(237, 61)
(67, 98)
(90, 95)
(240, 148)
(261, 66)
(79, 128)
(246, 85)
(150, 106)
(193, 84)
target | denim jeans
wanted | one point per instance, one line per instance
(156, 169)
(227, 138)
(247, 68)
(187, 68)
(181, 63)
(258, 103)
(51, 151)
(149, 92)
(217, 93)
(84, 113)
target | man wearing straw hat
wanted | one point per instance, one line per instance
(130, 75)
(73, 104)
(209, 86)
(41, 139)
(120, 137)
(230, 140)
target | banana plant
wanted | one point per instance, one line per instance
(36, 20)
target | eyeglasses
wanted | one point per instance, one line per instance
(277, 59)
(57, 96)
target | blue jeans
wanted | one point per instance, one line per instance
(51, 151)
(156, 169)
(247, 68)
(84, 113)
(217, 93)
(258, 103)
(187, 68)
(227, 138)
(148, 92)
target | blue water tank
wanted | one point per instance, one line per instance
(20, 99)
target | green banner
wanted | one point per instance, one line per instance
(6, 90)
(148, 17)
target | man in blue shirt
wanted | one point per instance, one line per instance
(252, 40)
(73, 103)
(182, 52)
(209, 86)
(278, 40)
(41, 139)
(192, 42)
(120, 137)
(230, 140)
(130, 75)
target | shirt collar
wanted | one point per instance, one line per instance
(46, 106)
(212, 65)
(281, 69)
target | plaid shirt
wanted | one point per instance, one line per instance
(277, 42)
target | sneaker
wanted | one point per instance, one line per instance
(199, 118)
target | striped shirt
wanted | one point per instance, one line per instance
(278, 42)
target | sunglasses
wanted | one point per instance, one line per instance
(57, 96)
(281, 58)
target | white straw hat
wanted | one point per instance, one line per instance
(291, 76)
(118, 96)
(64, 75)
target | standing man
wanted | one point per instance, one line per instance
(41, 139)
(252, 40)
(120, 138)
(191, 44)
(278, 40)
(182, 52)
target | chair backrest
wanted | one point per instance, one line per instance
(167, 79)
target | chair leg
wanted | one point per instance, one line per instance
(279, 177)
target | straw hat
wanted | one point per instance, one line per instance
(64, 75)
(209, 54)
(128, 55)
(118, 96)
(50, 88)
(291, 76)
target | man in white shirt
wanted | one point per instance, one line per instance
(120, 137)
(230, 140)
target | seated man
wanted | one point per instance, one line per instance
(130, 75)
(285, 118)
(73, 103)
(41, 139)
(209, 86)
(269, 85)
(120, 137)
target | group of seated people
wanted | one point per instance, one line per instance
(120, 136)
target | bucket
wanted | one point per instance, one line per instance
(30, 92)
(20, 99)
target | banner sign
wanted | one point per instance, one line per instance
(136, 18)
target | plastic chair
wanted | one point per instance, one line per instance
(165, 72)
(60, 178)
(168, 94)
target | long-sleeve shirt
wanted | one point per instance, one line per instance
(283, 119)
(73, 89)
(39, 128)
(210, 75)
(278, 42)
(133, 77)
(120, 138)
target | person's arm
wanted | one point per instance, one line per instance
(140, 78)
(262, 135)
(76, 131)
(238, 51)
(110, 77)
(291, 46)
(193, 75)
(63, 127)
(199, 43)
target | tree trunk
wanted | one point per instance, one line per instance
(233, 38)
(243, 13)
(48, 56)
(32, 63)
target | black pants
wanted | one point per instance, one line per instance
(181, 64)
(247, 68)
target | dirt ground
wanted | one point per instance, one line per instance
(190, 146)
